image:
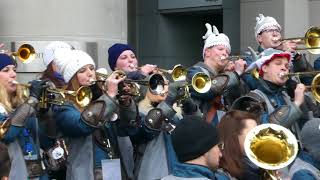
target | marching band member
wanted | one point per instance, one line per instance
(87, 145)
(22, 125)
(51, 71)
(198, 150)
(215, 51)
(122, 57)
(56, 167)
(233, 128)
(273, 65)
(268, 35)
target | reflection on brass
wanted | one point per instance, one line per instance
(271, 147)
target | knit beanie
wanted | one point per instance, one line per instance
(266, 57)
(115, 51)
(70, 61)
(6, 60)
(214, 38)
(192, 138)
(310, 137)
(48, 54)
(264, 23)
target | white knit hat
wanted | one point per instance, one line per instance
(48, 54)
(264, 23)
(70, 61)
(214, 38)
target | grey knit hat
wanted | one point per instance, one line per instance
(310, 137)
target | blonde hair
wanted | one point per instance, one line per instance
(10, 102)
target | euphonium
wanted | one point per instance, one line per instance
(271, 147)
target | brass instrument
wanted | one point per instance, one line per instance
(311, 40)
(315, 84)
(82, 97)
(155, 82)
(271, 147)
(201, 82)
(4, 126)
(26, 53)
(178, 72)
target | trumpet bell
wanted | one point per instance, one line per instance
(179, 73)
(156, 84)
(26, 53)
(201, 82)
(315, 88)
(83, 96)
(312, 40)
(271, 146)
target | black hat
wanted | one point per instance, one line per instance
(192, 138)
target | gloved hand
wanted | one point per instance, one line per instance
(37, 87)
(176, 91)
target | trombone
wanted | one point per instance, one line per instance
(311, 40)
(315, 84)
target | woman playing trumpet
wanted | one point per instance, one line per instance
(19, 125)
(90, 130)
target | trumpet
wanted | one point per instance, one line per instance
(26, 53)
(82, 97)
(271, 147)
(156, 82)
(178, 72)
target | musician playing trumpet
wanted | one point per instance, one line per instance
(267, 33)
(216, 50)
(270, 98)
(91, 129)
(18, 127)
(122, 57)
